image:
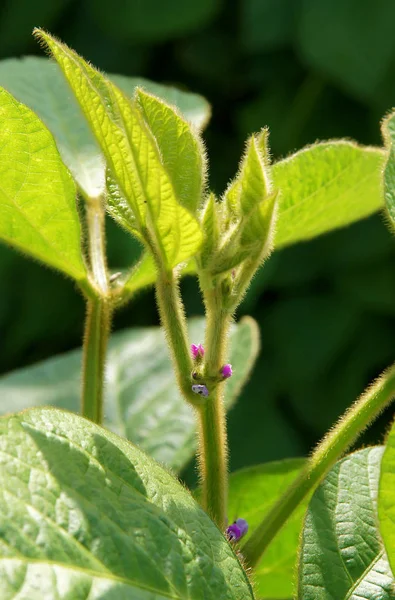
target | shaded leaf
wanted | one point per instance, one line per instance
(342, 554)
(85, 513)
(252, 492)
(142, 401)
(39, 84)
(351, 42)
(38, 212)
(153, 20)
(326, 186)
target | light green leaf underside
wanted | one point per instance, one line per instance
(387, 498)
(342, 555)
(142, 401)
(252, 492)
(388, 129)
(324, 187)
(84, 514)
(38, 213)
(180, 148)
(133, 158)
(39, 83)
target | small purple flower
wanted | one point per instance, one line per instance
(237, 530)
(226, 371)
(200, 389)
(197, 351)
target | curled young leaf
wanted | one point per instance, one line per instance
(133, 157)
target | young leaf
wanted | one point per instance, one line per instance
(142, 401)
(211, 225)
(180, 147)
(37, 82)
(342, 554)
(85, 513)
(252, 491)
(133, 158)
(38, 212)
(388, 130)
(326, 186)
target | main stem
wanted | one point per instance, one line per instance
(98, 319)
(354, 421)
(212, 426)
(173, 320)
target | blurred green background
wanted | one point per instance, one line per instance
(310, 69)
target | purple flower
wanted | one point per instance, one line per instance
(197, 351)
(236, 531)
(226, 371)
(200, 389)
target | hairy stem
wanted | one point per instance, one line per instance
(212, 425)
(97, 329)
(98, 319)
(173, 320)
(335, 443)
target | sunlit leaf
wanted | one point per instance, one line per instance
(38, 83)
(133, 158)
(326, 186)
(38, 212)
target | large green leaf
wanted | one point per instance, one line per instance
(134, 160)
(388, 129)
(83, 513)
(39, 84)
(252, 492)
(342, 555)
(326, 186)
(142, 401)
(387, 498)
(38, 212)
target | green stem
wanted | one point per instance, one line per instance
(99, 312)
(173, 320)
(97, 329)
(336, 442)
(212, 425)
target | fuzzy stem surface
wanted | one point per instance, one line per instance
(329, 450)
(98, 318)
(173, 321)
(213, 452)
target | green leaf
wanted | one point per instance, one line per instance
(386, 498)
(342, 554)
(180, 147)
(252, 492)
(38, 212)
(133, 157)
(85, 513)
(326, 186)
(39, 84)
(388, 130)
(142, 401)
